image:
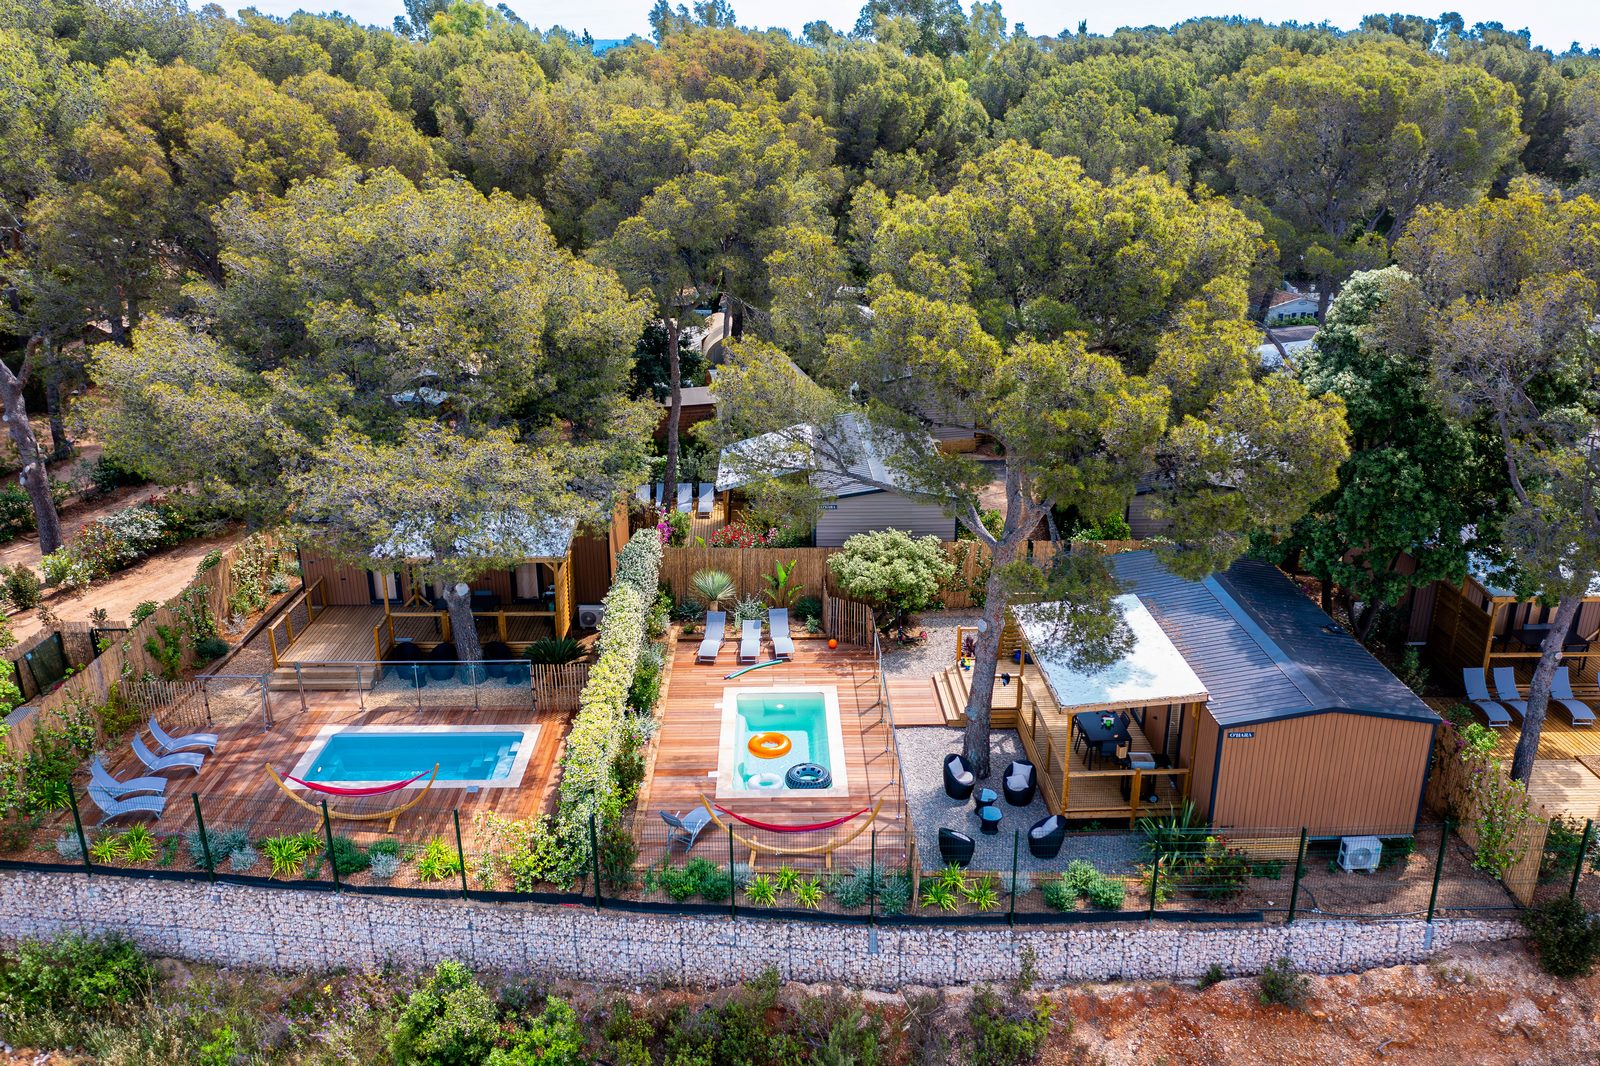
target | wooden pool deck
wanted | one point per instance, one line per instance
(235, 790)
(686, 752)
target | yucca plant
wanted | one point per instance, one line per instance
(553, 651)
(712, 586)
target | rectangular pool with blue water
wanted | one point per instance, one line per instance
(487, 756)
(781, 741)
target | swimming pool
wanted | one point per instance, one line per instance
(487, 756)
(807, 717)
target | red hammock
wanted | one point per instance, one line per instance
(790, 828)
(374, 790)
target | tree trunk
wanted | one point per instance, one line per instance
(1539, 690)
(669, 494)
(60, 443)
(1324, 297)
(1326, 586)
(463, 627)
(1265, 303)
(986, 657)
(35, 478)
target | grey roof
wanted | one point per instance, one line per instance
(1263, 650)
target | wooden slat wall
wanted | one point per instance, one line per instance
(1205, 756)
(591, 563)
(1448, 791)
(1459, 633)
(342, 584)
(1332, 773)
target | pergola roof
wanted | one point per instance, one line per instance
(1153, 672)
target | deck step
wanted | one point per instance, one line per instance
(321, 678)
(951, 700)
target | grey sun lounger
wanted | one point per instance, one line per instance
(661, 488)
(166, 743)
(643, 494)
(111, 807)
(750, 641)
(686, 827)
(716, 626)
(1505, 690)
(191, 759)
(101, 778)
(708, 495)
(778, 623)
(1478, 696)
(1578, 712)
(685, 496)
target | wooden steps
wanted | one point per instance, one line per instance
(952, 684)
(322, 677)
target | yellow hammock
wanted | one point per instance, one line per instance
(375, 816)
(825, 850)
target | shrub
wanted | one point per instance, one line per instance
(69, 847)
(808, 608)
(448, 1021)
(1213, 974)
(1007, 1034)
(1565, 936)
(64, 569)
(22, 587)
(242, 860)
(895, 573)
(166, 648)
(553, 651)
(143, 610)
(386, 846)
(894, 894)
(348, 856)
(72, 974)
(107, 475)
(1562, 845)
(210, 649)
(1106, 893)
(646, 687)
(383, 866)
(1282, 985)
(554, 1038)
(437, 861)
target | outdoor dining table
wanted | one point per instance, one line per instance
(1095, 732)
(1531, 636)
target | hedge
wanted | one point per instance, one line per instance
(587, 786)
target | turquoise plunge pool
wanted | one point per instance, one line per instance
(384, 754)
(767, 732)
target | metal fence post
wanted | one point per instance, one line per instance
(205, 841)
(361, 690)
(1016, 841)
(416, 684)
(327, 831)
(77, 823)
(1583, 849)
(594, 859)
(1299, 864)
(1155, 884)
(733, 880)
(300, 683)
(1438, 868)
(461, 852)
(872, 872)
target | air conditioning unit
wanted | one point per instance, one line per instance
(1360, 853)
(590, 615)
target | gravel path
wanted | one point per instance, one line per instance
(922, 752)
(933, 654)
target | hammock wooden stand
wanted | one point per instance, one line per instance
(376, 816)
(825, 850)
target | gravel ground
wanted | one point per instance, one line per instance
(933, 654)
(922, 752)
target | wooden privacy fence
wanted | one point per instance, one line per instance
(128, 659)
(1449, 791)
(557, 687)
(750, 567)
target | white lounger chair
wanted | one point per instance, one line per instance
(152, 761)
(750, 641)
(661, 488)
(778, 623)
(716, 626)
(643, 494)
(166, 743)
(1478, 695)
(1505, 690)
(708, 495)
(111, 807)
(1578, 712)
(685, 496)
(102, 779)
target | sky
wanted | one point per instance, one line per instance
(1555, 24)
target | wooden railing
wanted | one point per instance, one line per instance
(1056, 775)
(384, 638)
(307, 597)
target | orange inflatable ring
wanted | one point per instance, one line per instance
(770, 745)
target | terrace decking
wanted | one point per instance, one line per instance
(687, 750)
(1566, 771)
(235, 790)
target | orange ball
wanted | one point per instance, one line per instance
(832, 643)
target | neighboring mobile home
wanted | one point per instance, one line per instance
(1244, 697)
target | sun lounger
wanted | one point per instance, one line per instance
(1561, 692)
(686, 827)
(716, 625)
(152, 761)
(1505, 690)
(778, 623)
(685, 496)
(643, 494)
(708, 494)
(750, 641)
(102, 779)
(166, 743)
(661, 489)
(111, 807)
(1478, 695)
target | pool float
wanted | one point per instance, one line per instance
(808, 775)
(765, 782)
(770, 745)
